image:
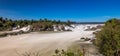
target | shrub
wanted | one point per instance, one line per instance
(67, 53)
(108, 39)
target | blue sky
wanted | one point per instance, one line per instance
(76, 10)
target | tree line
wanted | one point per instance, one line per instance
(8, 24)
(108, 39)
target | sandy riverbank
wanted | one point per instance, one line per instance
(44, 43)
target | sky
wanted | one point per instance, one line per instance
(74, 10)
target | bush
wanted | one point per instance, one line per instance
(67, 53)
(3, 35)
(108, 39)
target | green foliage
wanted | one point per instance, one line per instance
(108, 39)
(67, 53)
(57, 53)
(6, 23)
(2, 35)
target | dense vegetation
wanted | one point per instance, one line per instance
(108, 39)
(8, 24)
